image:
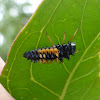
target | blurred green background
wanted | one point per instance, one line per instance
(14, 14)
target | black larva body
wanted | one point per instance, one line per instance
(51, 53)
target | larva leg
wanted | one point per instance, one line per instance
(64, 38)
(77, 51)
(73, 35)
(49, 39)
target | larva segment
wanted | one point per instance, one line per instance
(40, 55)
(51, 50)
(47, 50)
(43, 50)
(44, 56)
(56, 52)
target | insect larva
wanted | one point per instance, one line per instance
(56, 52)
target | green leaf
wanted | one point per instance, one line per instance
(75, 79)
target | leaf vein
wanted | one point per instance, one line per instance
(87, 90)
(23, 89)
(14, 61)
(91, 57)
(83, 76)
(82, 23)
(38, 83)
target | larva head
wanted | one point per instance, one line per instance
(73, 48)
(27, 55)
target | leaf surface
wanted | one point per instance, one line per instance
(76, 79)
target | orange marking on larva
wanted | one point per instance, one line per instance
(39, 51)
(43, 51)
(51, 50)
(47, 50)
(56, 51)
